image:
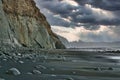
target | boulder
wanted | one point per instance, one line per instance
(36, 72)
(13, 71)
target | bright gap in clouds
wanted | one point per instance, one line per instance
(100, 13)
(70, 2)
(80, 20)
(103, 34)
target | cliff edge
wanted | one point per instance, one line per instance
(22, 24)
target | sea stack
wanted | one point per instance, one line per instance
(22, 24)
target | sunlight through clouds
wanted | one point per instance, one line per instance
(103, 34)
(100, 13)
(85, 20)
(70, 2)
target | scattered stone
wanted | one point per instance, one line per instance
(29, 73)
(13, 71)
(36, 72)
(40, 66)
(4, 59)
(53, 75)
(69, 79)
(110, 68)
(29, 58)
(19, 54)
(74, 72)
(21, 62)
(74, 61)
(58, 56)
(97, 69)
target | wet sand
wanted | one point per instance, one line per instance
(60, 65)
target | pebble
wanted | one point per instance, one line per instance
(70, 79)
(110, 68)
(74, 72)
(19, 54)
(21, 62)
(53, 75)
(58, 56)
(29, 73)
(29, 58)
(4, 59)
(97, 69)
(13, 71)
(74, 61)
(36, 72)
(40, 66)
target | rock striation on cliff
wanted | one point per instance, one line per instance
(22, 24)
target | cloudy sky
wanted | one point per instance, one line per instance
(85, 20)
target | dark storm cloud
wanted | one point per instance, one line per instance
(56, 8)
(90, 14)
(112, 5)
(81, 13)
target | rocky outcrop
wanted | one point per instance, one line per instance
(22, 24)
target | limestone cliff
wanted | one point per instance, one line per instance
(22, 24)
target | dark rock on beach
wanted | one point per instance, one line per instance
(36, 72)
(13, 71)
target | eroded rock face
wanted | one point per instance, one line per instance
(22, 24)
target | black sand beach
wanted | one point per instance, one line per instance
(31, 64)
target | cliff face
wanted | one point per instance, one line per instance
(22, 24)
